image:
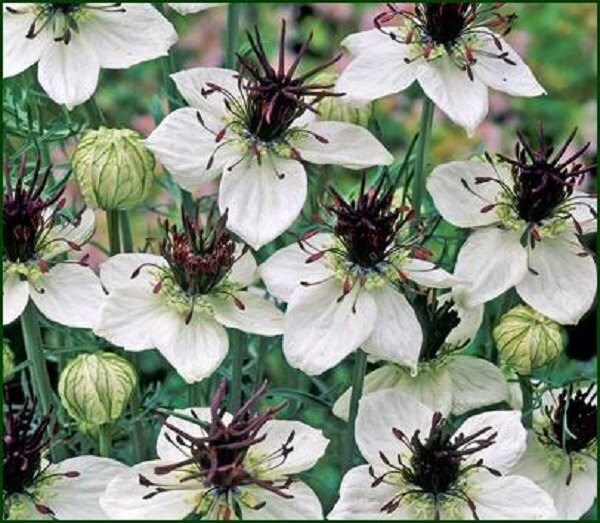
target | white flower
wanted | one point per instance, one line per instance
(196, 474)
(343, 290)
(416, 470)
(181, 302)
(256, 132)
(186, 8)
(561, 455)
(527, 218)
(448, 49)
(35, 233)
(72, 42)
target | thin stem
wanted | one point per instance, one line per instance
(126, 232)
(114, 238)
(527, 393)
(358, 376)
(237, 362)
(135, 404)
(262, 349)
(105, 440)
(232, 33)
(419, 178)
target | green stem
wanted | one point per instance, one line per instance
(527, 393)
(126, 232)
(262, 349)
(135, 404)
(419, 178)
(232, 33)
(237, 362)
(114, 238)
(104, 440)
(358, 376)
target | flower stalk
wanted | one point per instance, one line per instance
(105, 440)
(358, 376)
(114, 236)
(418, 189)
(527, 393)
(237, 363)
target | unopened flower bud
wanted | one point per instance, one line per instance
(337, 108)
(95, 388)
(527, 340)
(113, 168)
(8, 361)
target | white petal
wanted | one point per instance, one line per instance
(465, 101)
(78, 498)
(15, 295)
(490, 262)
(69, 73)
(517, 79)
(509, 443)
(191, 82)
(259, 316)
(572, 500)
(285, 269)
(261, 203)
(341, 147)
(426, 273)
(184, 147)
(582, 212)
(454, 202)
(167, 448)
(117, 271)
(475, 383)
(380, 412)
(124, 39)
(78, 234)
(186, 8)
(195, 349)
(379, 69)
(470, 321)
(511, 497)
(397, 334)
(385, 377)
(565, 286)
(72, 295)
(244, 271)
(303, 505)
(320, 331)
(19, 52)
(131, 317)
(359, 500)
(358, 42)
(308, 446)
(125, 497)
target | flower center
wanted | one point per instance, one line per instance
(439, 319)
(270, 99)
(452, 29)
(573, 420)
(435, 466)
(219, 459)
(61, 18)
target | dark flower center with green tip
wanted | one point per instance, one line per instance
(217, 457)
(435, 464)
(574, 420)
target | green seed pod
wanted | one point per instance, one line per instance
(8, 361)
(113, 169)
(336, 109)
(527, 340)
(95, 388)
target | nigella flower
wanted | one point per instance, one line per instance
(446, 380)
(72, 42)
(527, 213)
(256, 128)
(33, 488)
(449, 48)
(561, 455)
(180, 302)
(36, 231)
(186, 8)
(219, 466)
(419, 468)
(344, 289)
